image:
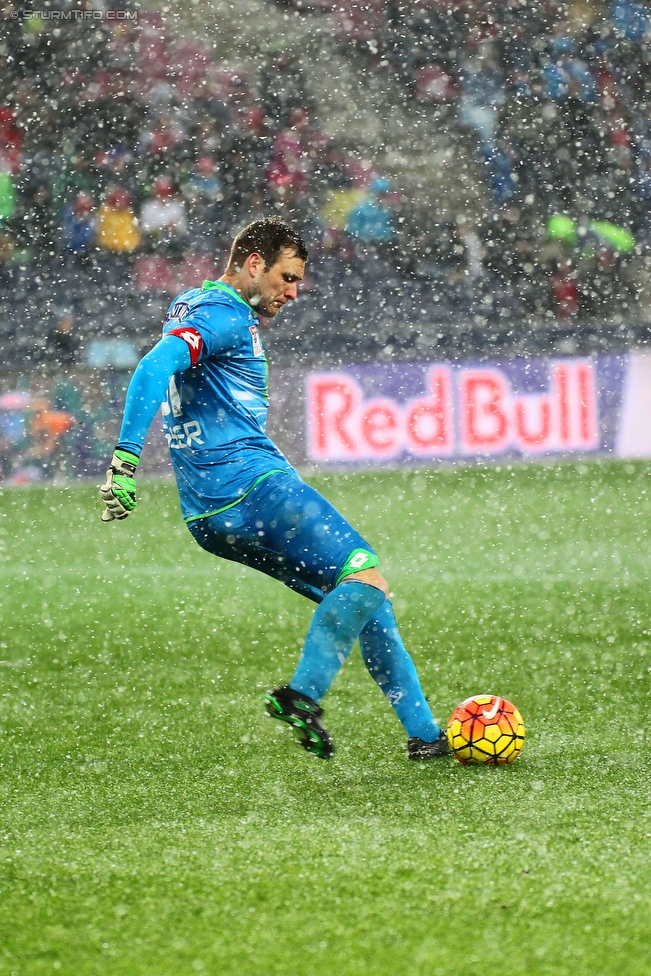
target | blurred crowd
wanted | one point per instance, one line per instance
(120, 140)
(558, 99)
(61, 428)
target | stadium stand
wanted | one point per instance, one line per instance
(474, 176)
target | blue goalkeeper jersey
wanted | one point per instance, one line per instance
(215, 412)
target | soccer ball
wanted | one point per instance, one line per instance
(486, 729)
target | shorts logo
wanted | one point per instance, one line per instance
(178, 311)
(193, 339)
(257, 345)
(358, 560)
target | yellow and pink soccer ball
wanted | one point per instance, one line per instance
(486, 729)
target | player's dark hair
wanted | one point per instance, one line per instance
(268, 237)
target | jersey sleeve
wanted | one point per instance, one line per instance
(147, 390)
(209, 330)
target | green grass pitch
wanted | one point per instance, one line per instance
(154, 823)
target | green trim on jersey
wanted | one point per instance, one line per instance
(218, 511)
(222, 286)
(357, 562)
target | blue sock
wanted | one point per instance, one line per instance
(390, 665)
(335, 626)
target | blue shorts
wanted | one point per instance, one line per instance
(286, 529)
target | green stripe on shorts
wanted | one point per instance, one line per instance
(218, 511)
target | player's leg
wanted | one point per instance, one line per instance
(230, 537)
(295, 535)
(336, 625)
(391, 666)
(319, 545)
(287, 530)
(358, 598)
(356, 607)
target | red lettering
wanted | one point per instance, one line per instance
(541, 434)
(380, 425)
(332, 401)
(428, 420)
(573, 384)
(484, 422)
(563, 399)
(342, 425)
(586, 404)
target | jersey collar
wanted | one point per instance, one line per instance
(222, 286)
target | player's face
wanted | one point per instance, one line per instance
(277, 285)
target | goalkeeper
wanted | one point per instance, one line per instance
(243, 501)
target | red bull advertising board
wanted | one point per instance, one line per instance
(393, 413)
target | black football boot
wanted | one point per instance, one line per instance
(419, 749)
(304, 716)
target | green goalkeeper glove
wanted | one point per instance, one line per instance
(119, 491)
